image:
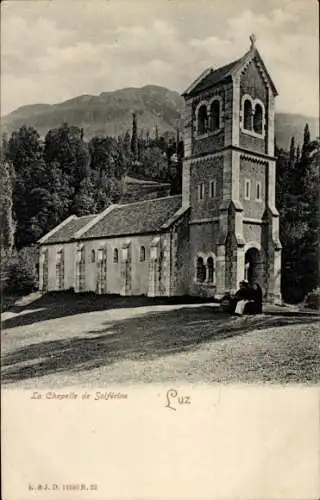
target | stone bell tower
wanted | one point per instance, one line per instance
(229, 178)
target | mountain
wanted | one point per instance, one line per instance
(110, 113)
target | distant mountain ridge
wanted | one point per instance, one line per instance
(110, 113)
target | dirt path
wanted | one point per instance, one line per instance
(161, 343)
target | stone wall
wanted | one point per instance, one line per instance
(253, 232)
(137, 269)
(255, 171)
(68, 265)
(182, 272)
(203, 171)
(211, 141)
(252, 143)
(137, 279)
(203, 240)
(208, 143)
(253, 84)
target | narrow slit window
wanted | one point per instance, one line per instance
(258, 119)
(215, 115)
(142, 254)
(247, 111)
(211, 270)
(115, 256)
(258, 191)
(201, 270)
(247, 189)
(201, 191)
(202, 120)
(213, 189)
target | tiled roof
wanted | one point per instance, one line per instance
(135, 218)
(211, 77)
(214, 77)
(67, 232)
(134, 180)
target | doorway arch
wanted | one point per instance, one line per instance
(253, 265)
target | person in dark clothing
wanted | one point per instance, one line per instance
(254, 304)
(243, 294)
(257, 297)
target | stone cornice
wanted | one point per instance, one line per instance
(249, 220)
(224, 149)
(204, 221)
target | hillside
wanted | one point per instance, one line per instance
(110, 114)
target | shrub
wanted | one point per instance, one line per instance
(22, 276)
(312, 300)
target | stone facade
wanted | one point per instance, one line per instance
(239, 226)
(224, 228)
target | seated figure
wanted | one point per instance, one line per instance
(247, 300)
(240, 298)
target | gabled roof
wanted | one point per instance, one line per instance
(147, 216)
(212, 77)
(135, 218)
(133, 180)
(66, 231)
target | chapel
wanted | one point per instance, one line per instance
(222, 229)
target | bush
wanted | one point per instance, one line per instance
(22, 276)
(312, 300)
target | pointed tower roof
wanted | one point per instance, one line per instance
(211, 77)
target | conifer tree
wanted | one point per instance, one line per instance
(134, 138)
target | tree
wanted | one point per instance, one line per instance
(107, 191)
(65, 146)
(153, 164)
(103, 152)
(24, 151)
(7, 224)
(298, 201)
(84, 202)
(134, 138)
(22, 275)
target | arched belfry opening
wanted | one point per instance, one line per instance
(253, 268)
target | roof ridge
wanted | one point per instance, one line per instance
(94, 221)
(85, 216)
(226, 70)
(54, 230)
(120, 205)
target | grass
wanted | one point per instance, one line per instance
(63, 340)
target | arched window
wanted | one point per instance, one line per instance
(115, 256)
(201, 270)
(93, 256)
(211, 269)
(247, 115)
(142, 254)
(215, 115)
(257, 119)
(202, 120)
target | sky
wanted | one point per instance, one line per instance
(55, 50)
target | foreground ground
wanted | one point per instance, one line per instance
(90, 341)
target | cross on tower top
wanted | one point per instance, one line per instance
(253, 40)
